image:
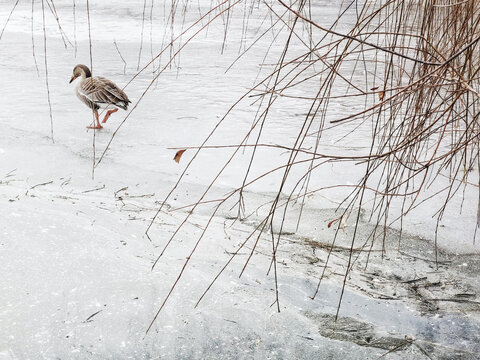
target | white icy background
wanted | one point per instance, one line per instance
(67, 252)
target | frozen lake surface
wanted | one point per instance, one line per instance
(76, 279)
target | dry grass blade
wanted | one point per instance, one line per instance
(46, 71)
(8, 18)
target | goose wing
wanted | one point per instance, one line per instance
(99, 91)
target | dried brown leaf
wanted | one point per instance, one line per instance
(178, 155)
(331, 222)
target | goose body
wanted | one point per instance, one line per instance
(98, 93)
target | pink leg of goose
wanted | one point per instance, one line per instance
(98, 126)
(109, 112)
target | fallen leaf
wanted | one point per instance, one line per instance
(375, 88)
(331, 222)
(178, 155)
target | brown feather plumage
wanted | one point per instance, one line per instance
(97, 92)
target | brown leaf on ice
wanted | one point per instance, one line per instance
(381, 95)
(178, 155)
(331, 222)
(375, 88)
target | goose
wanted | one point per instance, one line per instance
(98, 93)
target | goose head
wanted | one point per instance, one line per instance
(81, 70)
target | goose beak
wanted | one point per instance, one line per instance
(73, 78)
